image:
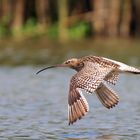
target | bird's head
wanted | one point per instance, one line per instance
(73, 63)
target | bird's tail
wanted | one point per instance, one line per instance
(107, 96)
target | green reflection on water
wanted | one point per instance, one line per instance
(44, 52)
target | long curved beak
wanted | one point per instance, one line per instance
(54, 66)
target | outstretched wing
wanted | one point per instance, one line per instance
(88, 79)
(107, 96)
(77, 105)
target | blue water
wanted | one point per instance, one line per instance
(34, 107)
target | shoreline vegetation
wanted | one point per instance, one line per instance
(66, 20)
(42, 32)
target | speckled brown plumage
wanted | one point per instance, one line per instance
(92, 74)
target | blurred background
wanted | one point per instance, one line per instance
(32, 31)
(38, 33)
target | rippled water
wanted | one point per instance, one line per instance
(34, 107)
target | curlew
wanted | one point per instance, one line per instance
(93, 73)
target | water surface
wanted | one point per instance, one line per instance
(34, 107)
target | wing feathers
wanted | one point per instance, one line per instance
(77, 106)
(107, 96)
(89, 79)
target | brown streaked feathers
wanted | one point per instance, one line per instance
(92, 73)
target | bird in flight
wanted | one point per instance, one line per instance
(93, 73)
